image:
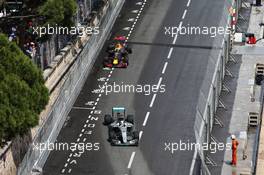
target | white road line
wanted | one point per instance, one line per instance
(159, 83)
(100, 95)
(188, 3)
(65, 165)
(70, 155)
(140, 134)
(164, 67)
(78, 139)
(184, 14)
(91, 112)
(97, 99)
(193, 162)
(109, 75)
(84, 139)
(69, 170)
(85, 125)
(89, 116)
(87, 121)
(170, 52)
(80, 135)
(152, 100)
(83, 130)
(68, 159)
(63, 170)
(146, 119)
(176, 36)
(131, 160)
(84, 108)
(96, 103)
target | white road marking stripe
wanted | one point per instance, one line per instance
(97, 99)
(184, 14)
(69, 170)
(140, 134)
(188, 3)
(80, 135)
(170, 52)
(152, 100)
(91, 112)
(68, 159)
(78, 139)
(63, 170)
(96, 103)
(84, 139)
(146, 119)
(176, 36)
(160, 80)
(83, 130)
(164, 67)
(100, 95)
(193, 162)
(76, 107)
(65, 165)
(131, 160)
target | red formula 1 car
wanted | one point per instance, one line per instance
(117, 54)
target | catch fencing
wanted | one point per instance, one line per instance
(34, 159)
(212, 85)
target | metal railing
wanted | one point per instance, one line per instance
(73, 81)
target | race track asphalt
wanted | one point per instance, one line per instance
(170, 115)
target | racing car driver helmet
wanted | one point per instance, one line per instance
(118, 46)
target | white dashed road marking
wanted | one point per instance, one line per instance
(164, 67)
(146, 119)
(131, 160)
(152, 100)
(184, 14)
(140, 134)
(170, 52)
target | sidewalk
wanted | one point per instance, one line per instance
(244, 74)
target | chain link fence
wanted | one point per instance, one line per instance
(212, 85)
(35, 159)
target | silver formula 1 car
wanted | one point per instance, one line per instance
(121, 129)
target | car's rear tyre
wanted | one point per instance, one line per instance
(130, 119)
(136, 135)
(111, 134)
(108, 119)
(129, 50)
(126, 60)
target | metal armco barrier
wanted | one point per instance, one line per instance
(35, 159)
(213, 85)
